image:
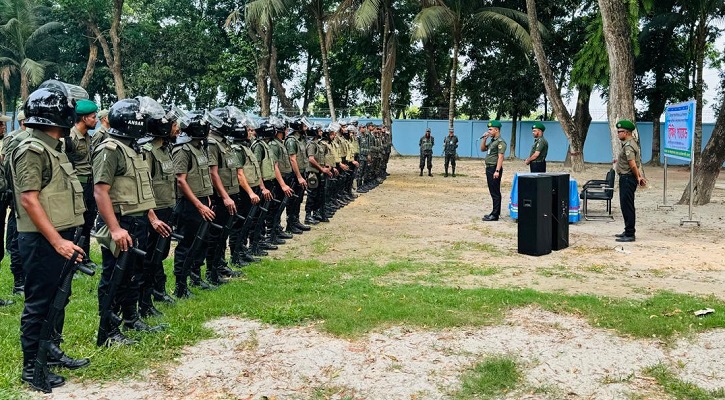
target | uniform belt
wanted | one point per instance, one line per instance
(84, 178)
(490, 165)
(627, 174)
(537, 161)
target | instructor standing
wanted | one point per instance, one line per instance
(629, 170)
(494, 166)
(426, 143)
(537, 158)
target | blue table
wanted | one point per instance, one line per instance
(574, 205)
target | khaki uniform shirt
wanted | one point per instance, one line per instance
(496, 147)
(542, 146)
(629, 151)
(80, 154)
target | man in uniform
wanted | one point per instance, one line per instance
(50, 206)
(78, 148)
(284, 167)
(124, 194)
(11, 141)
(191, 164)
(537, 158)
(157, 150)
(426, 143)
(494, 166)
(316, 168)
(101, 133)
(295, 144)
(450, 144)
(630, 176)
(363, 140)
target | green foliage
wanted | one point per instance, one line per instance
(591, 63)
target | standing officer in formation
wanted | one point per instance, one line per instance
(79, 150)
(50, 206)
(537, 158)
(426, 143)
(9, 143)
(295, 144)
(124, 194)
(494, 166)
(630, 176)
(450, 144)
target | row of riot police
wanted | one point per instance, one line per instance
(211, 180)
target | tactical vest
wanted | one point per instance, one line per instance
(61, 199)
(312, 149)
(364, 144)
(283, 162)
(327, 153)
(353, 145)
(164, 178)
(197, 177)
(266, 163)
(132, 192)
(301, 153)
(251, 167)
(227, 168)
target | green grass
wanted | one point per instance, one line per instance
(349, 299)
(679, 389)
(491, 378)
(558, 271)
(474, 246)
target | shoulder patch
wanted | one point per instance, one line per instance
(36, 147)
(107, 144)
(147, 147)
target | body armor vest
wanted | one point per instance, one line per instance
(227, 168)
(283, 163)
(132, 192)
(61, 199)
(251, 167)
(197, 177)
(266, 163)
(164, 178)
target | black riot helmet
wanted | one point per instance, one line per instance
(232, 121)
(279, 124)
(265, 130)
(133, 118)
(198, 125)
(161, 127)
(53, 104)
(296, 123)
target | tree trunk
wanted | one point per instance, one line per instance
(710, 164)
(261, 58)
(116, 42)
(700, 45)
(325, 68)
(287, 105)
(109, 56)
(2, 100)
(388, 67)
(454, 78)
(24, 91)
(567, 123)
(582, 120)
(618, 39)
(91, 64)
(306, 99)
(656, 132)
(512, 142)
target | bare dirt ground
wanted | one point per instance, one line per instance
(436, 220)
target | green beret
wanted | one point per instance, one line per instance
(494, 124)
(538, 125)
(85, 107)
(626, 124)
(102, 113)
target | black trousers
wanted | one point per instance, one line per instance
(362, 170)
(126, 297)
(426, 157)
(295, 204)
(89, 216)
(450, 159)
(154, 276)
(314, 196)
(214, 254)
(627, 187)
(42, 266)
(189, 221)
(538, 166)
(494, 188)
(244, 205)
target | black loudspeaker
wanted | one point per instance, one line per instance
(559, 210)
(534, 214)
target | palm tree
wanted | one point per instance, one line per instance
(457, 16)
(23, 32)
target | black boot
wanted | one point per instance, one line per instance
(57, 358)
(52, 381)
(296, 222)
(429, 173)
(196, 281)
(6, 302)
(445, 175)
(19, 285)
(421, 172)
(139, 325)
(256, 250)
(182, 290)
(454, 172)
(292, 228)
(146, 306)
(163, 297)
(116, 338)
(246, 255)
(310, 219)
(282, 234)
